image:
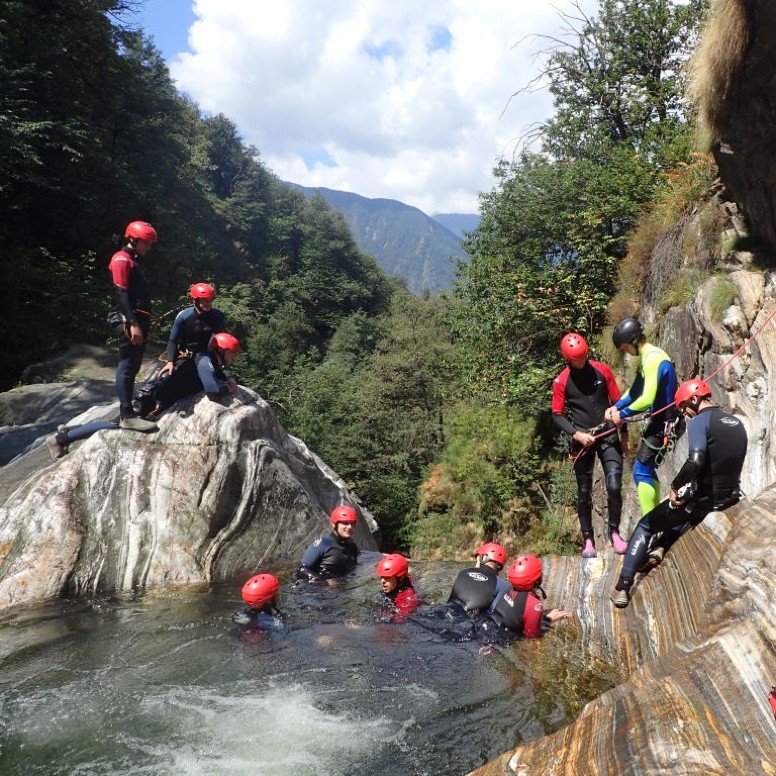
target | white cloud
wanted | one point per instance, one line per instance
(398, 99)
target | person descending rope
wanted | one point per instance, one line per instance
(587, 388)
(334, 555)
(132, 321)
(519, 612)
(653, 391)
(393, 571)
(709, 480)
(193, 327)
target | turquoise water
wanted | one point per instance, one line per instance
(168, 683)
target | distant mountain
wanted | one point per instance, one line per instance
(458, 223)
(404, 240)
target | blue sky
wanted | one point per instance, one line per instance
(398, 99)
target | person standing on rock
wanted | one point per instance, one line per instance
(334, 555)
(709, 480)
(586, 389)
(133, 320)
(652, 391)
(519, 611)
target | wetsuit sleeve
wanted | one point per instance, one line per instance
(219, 322)
(697, 444)
(651, 367)
(559, 403)
(175, 336)
(532, 617)
(311, 560)
(120, 269)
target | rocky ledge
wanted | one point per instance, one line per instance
(220, 490)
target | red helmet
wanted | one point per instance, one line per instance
(260, 589)
(225, 341)
(525, 573)
(692, 389)
(392, 566)
(140, 230)
(573, 346)
(343, 514)
(202, 291)
(493, 551)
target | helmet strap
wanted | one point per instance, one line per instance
(541, 590)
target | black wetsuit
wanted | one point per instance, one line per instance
(330, 556)
(192, 330)
(717, 444)
(475, 589)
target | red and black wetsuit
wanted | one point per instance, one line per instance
(519, 612)
(587, 393)
(404, 598)
(134, 301)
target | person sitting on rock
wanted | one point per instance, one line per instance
(334, 555)
(393, 571)
(260, 594)
(520, 612)
(193, 328)
(209, 374)
(709, 480)
(476, 588)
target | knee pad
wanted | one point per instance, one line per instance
(613, 481)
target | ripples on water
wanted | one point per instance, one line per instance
(169, 684)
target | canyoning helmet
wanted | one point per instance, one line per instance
(225, 341)
(573, 346)
(259, 590)
(525, 573)
(392, 566)
(202, 291)
(343, 514)
(140, 230)
(491, 551)
(627, 332)
(692, 392)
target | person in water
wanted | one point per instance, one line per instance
(132, 321)
(709, 480)
(193, 328)
(586, 389)
(652, 391)
(393, 571)
(260, 595)
(211, 375)
(475, 589)
(333, 555)
(520, 612)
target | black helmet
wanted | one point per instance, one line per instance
(627, 332)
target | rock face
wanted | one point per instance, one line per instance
(218, 491)
(699, 638)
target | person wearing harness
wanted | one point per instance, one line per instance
(587, 388)
(210, 375)
(193, 327)
(709, 480)
(519, 611)
(133, 320)
(476, 589)
(652, 391)
(393, 571)
(334, 555)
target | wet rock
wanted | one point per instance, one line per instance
(220, 490)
